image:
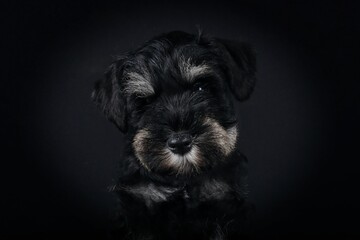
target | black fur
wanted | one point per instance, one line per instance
(159, 199)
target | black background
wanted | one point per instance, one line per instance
(299, 130)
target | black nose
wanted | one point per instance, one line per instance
(180, 143)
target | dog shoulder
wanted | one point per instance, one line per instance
(213, 189)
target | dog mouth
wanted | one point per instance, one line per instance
(185, 151)
(184, 163)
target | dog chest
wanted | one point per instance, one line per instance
(152, 194)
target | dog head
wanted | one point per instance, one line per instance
(172, 97)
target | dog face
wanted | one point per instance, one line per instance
(172, 97)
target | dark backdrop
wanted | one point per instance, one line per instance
(299, 130)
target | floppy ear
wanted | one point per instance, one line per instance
(108, 97)
(241, 62)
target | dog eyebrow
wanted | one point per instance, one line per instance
(138, 84)
(190, 72)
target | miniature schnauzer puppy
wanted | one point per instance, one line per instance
(182, 176)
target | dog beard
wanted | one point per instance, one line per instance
(211, 146)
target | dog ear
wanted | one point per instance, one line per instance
(108, 97)
(241, 61)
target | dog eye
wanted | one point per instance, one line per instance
(141, 101)
(148, 100)
(198, 87)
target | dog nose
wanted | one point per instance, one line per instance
(180, 143)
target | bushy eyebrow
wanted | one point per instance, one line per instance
(138, 84)
(190, 72)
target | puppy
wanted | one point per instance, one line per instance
(182, 176)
